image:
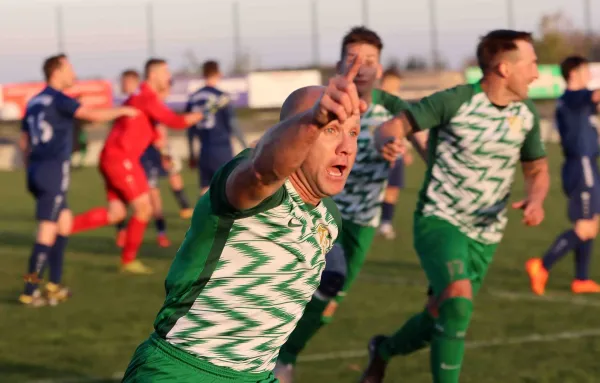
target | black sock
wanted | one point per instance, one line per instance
(181, 198)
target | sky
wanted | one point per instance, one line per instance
(102, 37)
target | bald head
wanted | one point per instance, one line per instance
(300, 100)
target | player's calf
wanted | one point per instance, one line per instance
(455, 308)
(142, 212)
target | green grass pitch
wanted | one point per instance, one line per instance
(515, 337)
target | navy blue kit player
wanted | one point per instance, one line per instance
(580, 179)
(46, 142)
(215, 129)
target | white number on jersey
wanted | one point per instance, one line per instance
(40, 131)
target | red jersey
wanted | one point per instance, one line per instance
(131, 136)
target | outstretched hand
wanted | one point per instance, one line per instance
(340, 100)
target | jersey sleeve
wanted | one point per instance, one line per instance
(66, 105)
(533, 147)
(218, 195)
(159, 112)
(439, 108)
(393, 103)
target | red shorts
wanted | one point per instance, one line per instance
(124, 178)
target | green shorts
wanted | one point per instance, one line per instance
(356, 241)
(156, 360)
(447, 255)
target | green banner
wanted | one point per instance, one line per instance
(549, 84)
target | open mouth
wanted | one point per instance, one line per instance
(336, 170)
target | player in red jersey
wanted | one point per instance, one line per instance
(124, 177)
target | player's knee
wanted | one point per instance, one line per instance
(143, 208)
(454, 317)
(65, 222)
(46, 233)
(116, 211)
(457, 289)
(331, 284)
(391, 194)
(334, 275)
(586, 229)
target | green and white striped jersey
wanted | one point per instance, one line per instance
(241, 279)
(360, 201)
(474, 147)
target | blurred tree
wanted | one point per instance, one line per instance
(558, 39)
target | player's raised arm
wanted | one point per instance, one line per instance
(104, 114)
(161, 113)
(430, 112)
(285, 146)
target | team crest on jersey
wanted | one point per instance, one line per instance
(515, 124)
(324, 238)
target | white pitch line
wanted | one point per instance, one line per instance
(496, 293)
(534, 338)
(340, 355)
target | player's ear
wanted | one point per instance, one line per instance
(379, 71)
(503, 69)
(338, 67)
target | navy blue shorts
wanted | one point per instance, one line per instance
(581, 184)
(396, 177)
(48, 182)
(152, 163)
(210, 161)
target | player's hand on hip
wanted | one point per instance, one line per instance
(533, 212)
(393, 149)
(340, 100)
(128, 111)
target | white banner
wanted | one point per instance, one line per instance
(270, 89)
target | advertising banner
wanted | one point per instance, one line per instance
(15, 97)
(184, 86)
(549, 85)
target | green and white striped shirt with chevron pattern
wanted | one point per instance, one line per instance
(474, 147)
(360, 201)
(241, 279)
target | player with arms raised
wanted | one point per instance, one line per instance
(255, 250)
(580, 176)
(46, 142)
(120, 166)
(477, 135)
(359, 202)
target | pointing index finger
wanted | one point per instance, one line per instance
(353, 69)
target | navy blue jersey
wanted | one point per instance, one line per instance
(215, 129)
(579, 137)
(49, 122)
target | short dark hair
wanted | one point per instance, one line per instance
(570, 64)
(151, 63)
(392, 71)
(362, 35)
(52, 64)
(498, 42)
(210, 68)
(130, 73)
